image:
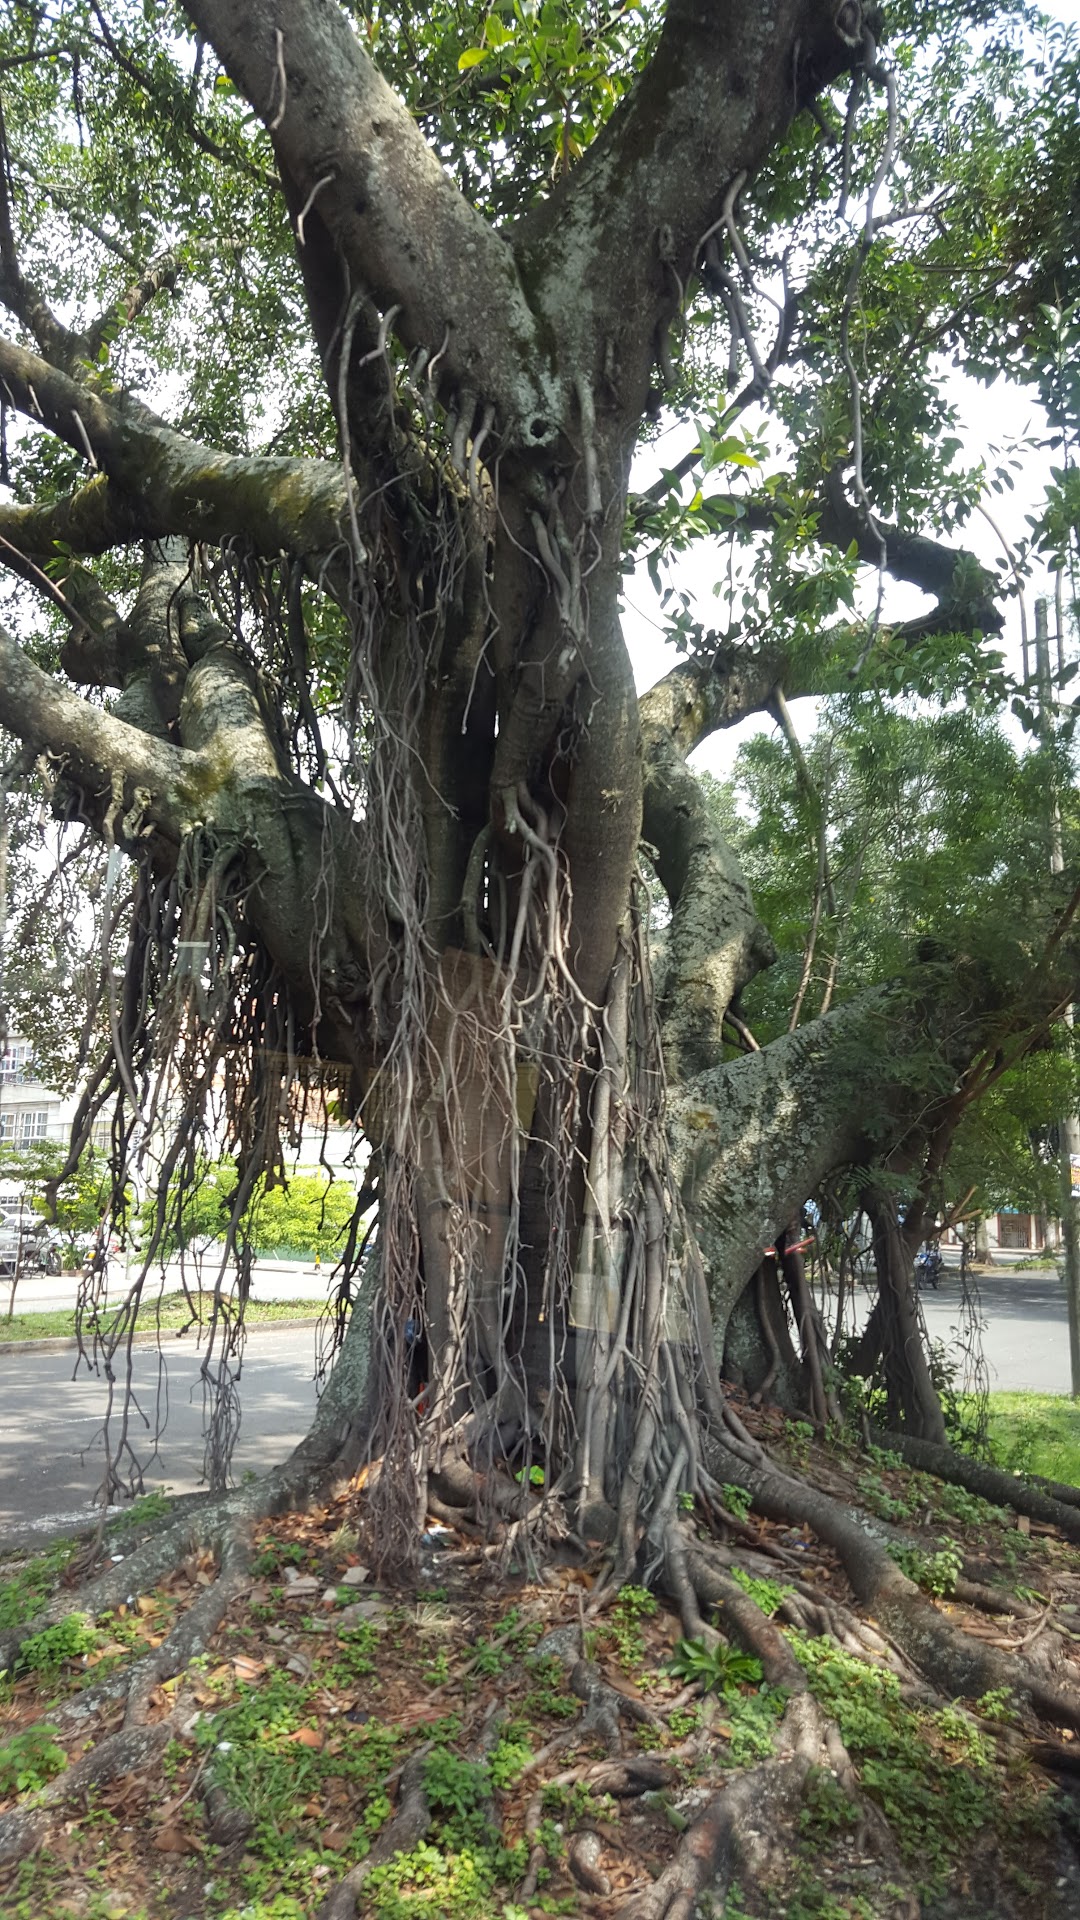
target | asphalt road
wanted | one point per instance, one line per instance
(50, 1441)
(1024, 1322)
(51, 1453)
(272, 1280)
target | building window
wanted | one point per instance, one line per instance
(17, 1064)
(25, 1125)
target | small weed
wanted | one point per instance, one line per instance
(956, 1503)
(875, 1495)
(576, 1805)
(932, 1774)
(798, 1434)
(490, 1659)
(48, 1652)
(736, 1499)
(355, 1655)
(547, 1694)
(936, 1573)
(149, 1506)
(683, 1722)
(826, 1807)
(720, 1669)
(458, 1792)
(437, 1671)
(507, 1760)
(26, 1587)
(999, 1704)
(29, 1760)
(967, 1744)
(751, 1722)
(462, 1885)
(623, 1626)
(768, 1595)
(277, 1554)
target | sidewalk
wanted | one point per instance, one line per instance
(270, 1280)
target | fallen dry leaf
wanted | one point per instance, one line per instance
(175, 1840)
(305, 1737)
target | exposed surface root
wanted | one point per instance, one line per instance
(408, 1826)
(953, 1661)
(1041, 1501)
(744, 1828)
(606, 1767)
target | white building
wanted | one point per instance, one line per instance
(29, 1111)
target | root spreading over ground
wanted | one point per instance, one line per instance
(855, 1697)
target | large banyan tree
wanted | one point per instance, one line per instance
(333, 335)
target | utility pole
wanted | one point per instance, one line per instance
(1069, 1125)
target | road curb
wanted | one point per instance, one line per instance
(67, 1343)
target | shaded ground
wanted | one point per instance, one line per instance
(458, 1716)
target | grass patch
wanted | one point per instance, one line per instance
(172, 1312)
(1036, 1433)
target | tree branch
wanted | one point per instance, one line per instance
(752, 1139)
(408, 238)
(624, 231)
(166, 482)
(716, 943)
(964, 589)
(966, 592)
(17, 293)
(158, 276)
(45, 715)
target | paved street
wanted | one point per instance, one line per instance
(50, 1446)
(50, 1449)
(1025, 1326)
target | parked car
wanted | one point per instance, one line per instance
(27, 1246)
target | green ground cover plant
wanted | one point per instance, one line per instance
(1036, 1433)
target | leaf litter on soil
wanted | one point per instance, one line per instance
(321, 1683)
